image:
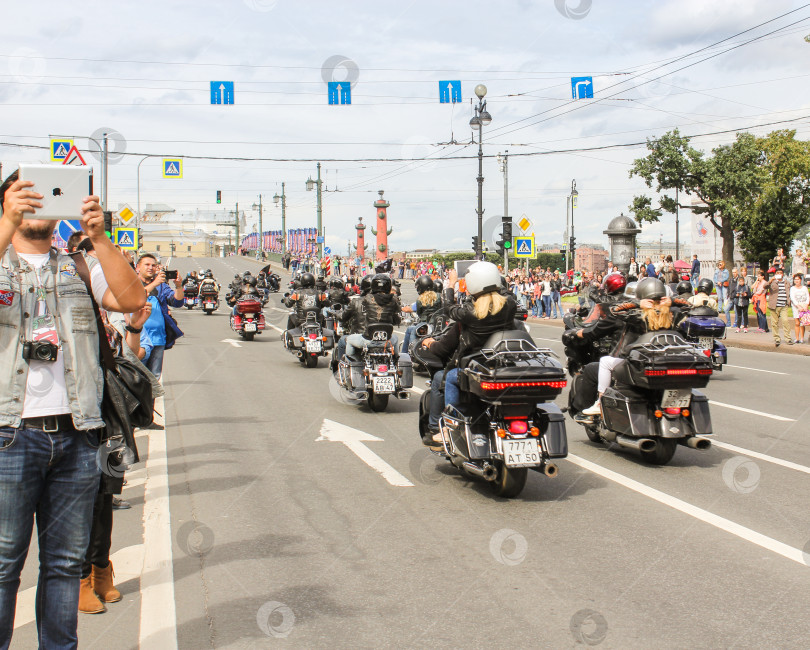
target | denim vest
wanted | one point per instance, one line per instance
(70, 305)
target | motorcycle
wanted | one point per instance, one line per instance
(309, 341)
(379, 372)
(249, 318)
(654, 403)
(333, 314)
(436, 322)
(703, 327)
(190, 298)
(510, 422)
(274, 282)
(209, 299)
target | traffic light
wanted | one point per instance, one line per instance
(572, 247)
(140, 238)
(219, 196)
(505, 243)
(108, 227)
(475, 243)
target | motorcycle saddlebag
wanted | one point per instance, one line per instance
(552, 427)
(356, 375)
(626, 411)
(406, 371)
(699, 416)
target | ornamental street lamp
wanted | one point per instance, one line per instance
(481, 119)
(283, 199)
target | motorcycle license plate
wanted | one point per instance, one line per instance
(313, 346)
(383, 385)
(521, 453)
(705, 342)
(209, 305)
(250, 327)
(677, 398)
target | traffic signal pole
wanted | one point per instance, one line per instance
(506, 205)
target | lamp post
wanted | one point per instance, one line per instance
(283, 198)
(310, 186)
(481, 119)
(261, 235)
(572, 241)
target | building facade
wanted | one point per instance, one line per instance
(591, 259)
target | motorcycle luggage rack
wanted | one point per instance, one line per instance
(503, 353)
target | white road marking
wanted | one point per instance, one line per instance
(768, 543)
(761, 456)
(773, 372)
(752, 411)
(354, 439)
(278, 329)
(418, 390)
(158, 625)
(233, 342)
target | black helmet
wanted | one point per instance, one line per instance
(336, 283)
(438, 285)
(705, 286)
(246, 274)
(365, 284)
(237, 277)
(650, 289)
(307, 280)
(684, 286)
(208, 274)
(423, 283)
(207, 271)
(381, 283)
(250, 281)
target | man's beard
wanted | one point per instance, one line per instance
(31, 232)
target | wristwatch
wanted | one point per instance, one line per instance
(134, 330)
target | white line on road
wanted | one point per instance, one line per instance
(158, 626)
(765, 457)
(773, 372)
(278, 329)
(795, 554)
(354, 439)
(417, 390)
(233, 342)
(752, 411)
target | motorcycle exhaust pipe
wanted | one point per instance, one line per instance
(693, 442)
(487, 472)
(404, 394)
(361, 395)
(550, 470)
(642, 444)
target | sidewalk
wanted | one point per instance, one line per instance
(752, 341)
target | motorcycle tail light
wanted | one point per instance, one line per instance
(313, 337)
(301, 338)
(672, 411)
(323, 338)
(534, 431)
(685, 413)
(673, 372)
(503, 385)
(501, 433)
(518, 426)
(382, 368)
(708, 353)
(658, 414)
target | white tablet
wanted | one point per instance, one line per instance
(63, 188)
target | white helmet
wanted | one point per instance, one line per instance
(481, 278)
(630, 289)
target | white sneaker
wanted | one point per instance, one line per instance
(592, 410)
(438, 438)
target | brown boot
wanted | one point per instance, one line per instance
(103, 584)
(88, 601)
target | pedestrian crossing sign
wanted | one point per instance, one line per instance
(524, 246)
(127, 238)
(172, 168)
(60, 149)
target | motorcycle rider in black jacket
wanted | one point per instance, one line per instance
(352, 320)
(381, 305)
(304, 300)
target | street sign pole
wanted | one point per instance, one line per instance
(506, 205)
(104, 158)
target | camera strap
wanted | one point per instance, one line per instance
(46, 297)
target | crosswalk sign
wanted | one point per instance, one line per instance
(524, 246)
(172, 168)
(60, 149)
(126, 238)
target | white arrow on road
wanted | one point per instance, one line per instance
(233, 342)
(354, 439)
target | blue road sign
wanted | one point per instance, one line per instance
(60, 149)
(222, 92)
(450, 91)
(340, 92)
(67, 228)
(327, 250)
(582, 87)
(319, 240)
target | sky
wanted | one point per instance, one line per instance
(143, 69)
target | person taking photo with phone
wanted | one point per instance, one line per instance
(50, 402)
(160, 330)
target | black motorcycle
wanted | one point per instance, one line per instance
(508, 422)
(309, 342)
(654, 403)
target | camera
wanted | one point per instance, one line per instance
(171, 274)
(40, 350)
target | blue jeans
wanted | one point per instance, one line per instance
(406, 342)
(355, 343)
(555, 303)
(452, 393)
(155, 360)
(341, 347)
(695, 279)
(436, 400)
(547, 305)
(53, 477)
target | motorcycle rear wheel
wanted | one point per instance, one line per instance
(663, 452)
(510, 481)
(248, 336)
(593, 434)
(311, 361)
(377, 402)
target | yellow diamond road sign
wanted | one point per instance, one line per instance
(524, 224)
(126, 214)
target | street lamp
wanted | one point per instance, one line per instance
(310, 186)
(481, 119)
(283, 199)
(261, 235)
(572, 241)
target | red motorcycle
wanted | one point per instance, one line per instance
(249, 318)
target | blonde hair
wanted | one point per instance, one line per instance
(489, 303)
(427, 298)
(658, 317)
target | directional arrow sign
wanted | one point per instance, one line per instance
(450, 92)
(582, 87)
(354, 439)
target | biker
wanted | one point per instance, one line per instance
(320, 283)
(261, 285)
(337, 293)
(428, 302)
(703, 296)
(247, 291)
(208, 282)
(305, 299)
(380, 305)
(352, 320)
(684, 290)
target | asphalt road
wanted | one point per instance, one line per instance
(273, 533)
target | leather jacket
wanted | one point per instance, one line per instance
(475, 331)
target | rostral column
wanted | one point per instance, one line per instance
(382, 231)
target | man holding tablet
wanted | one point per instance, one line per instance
(50, 395)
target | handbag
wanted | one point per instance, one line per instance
(128, 401)
(804, 317)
